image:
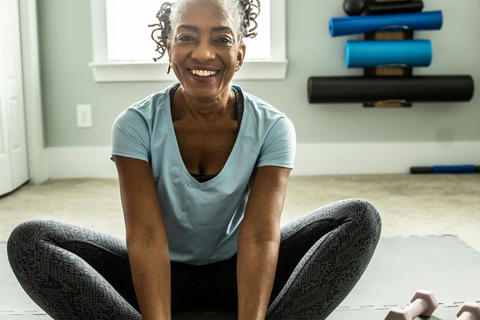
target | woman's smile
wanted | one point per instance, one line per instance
(203, 75)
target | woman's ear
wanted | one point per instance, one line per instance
(169, 59)
(169, 47)
(241, 55)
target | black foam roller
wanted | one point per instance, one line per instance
(446, 169)
(373, 89)
(358, 7)
(393, 7)
(354, 7)
(421, 170)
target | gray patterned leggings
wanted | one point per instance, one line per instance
(77, 273)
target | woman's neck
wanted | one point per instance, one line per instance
(203, 110)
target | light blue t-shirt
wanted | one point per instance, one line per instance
(203, 219)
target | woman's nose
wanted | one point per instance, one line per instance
(203, 51)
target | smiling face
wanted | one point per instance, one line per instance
(205, 51)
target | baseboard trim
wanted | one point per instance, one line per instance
(381, 158)
(80, 162)
(311, 159)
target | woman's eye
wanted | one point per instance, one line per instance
(224, 40)
(185, 38)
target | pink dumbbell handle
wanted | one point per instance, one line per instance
(417, 307)
(467, 316)
(469, 311)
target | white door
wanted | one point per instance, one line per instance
(13, 150)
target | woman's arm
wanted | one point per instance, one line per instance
(147, 241)
(259, 242)
(150, 267)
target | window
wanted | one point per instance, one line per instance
(124, 51)
(132, 41)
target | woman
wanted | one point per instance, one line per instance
(203, 169)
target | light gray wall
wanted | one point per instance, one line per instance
(66, 50)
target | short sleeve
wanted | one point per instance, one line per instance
(279, 146)
(130, 136)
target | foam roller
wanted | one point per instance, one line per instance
(428, 20)
(371, 53)
(469, 168)
(354, 7)
(393, 7)
(372, 89)
(357, 7)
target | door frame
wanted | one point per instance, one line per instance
(36, 151)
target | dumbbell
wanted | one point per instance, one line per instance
(423, 304)
(469, 311)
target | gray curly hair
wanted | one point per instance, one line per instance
(242, 12)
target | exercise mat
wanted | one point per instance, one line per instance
(372, 89)
(443, 264)
(427, 20)
(393, 7)
(371, 53)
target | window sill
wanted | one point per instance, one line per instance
(151, 71)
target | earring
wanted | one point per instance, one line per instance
(169, 67)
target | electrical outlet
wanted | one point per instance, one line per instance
(84, 115)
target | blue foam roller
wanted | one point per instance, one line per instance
(427, 20)
(454, 169)
(371, 53)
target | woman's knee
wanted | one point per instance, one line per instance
(26, 234)
(30, 229)
(371, 217)
(363, 213)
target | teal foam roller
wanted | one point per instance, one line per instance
(371, 53)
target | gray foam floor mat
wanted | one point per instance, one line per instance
(401, 265)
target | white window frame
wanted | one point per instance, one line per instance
(109, 71)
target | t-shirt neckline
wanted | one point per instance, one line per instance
(177, 154)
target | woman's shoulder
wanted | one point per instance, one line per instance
(156, 100)
(261, 109)
(148, 107)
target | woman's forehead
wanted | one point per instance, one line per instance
(204, 14)
(194, 28)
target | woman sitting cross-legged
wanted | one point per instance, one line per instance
(203, 168)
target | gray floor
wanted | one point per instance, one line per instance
(399, 267)
(409, 205)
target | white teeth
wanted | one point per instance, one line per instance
(204, 73)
